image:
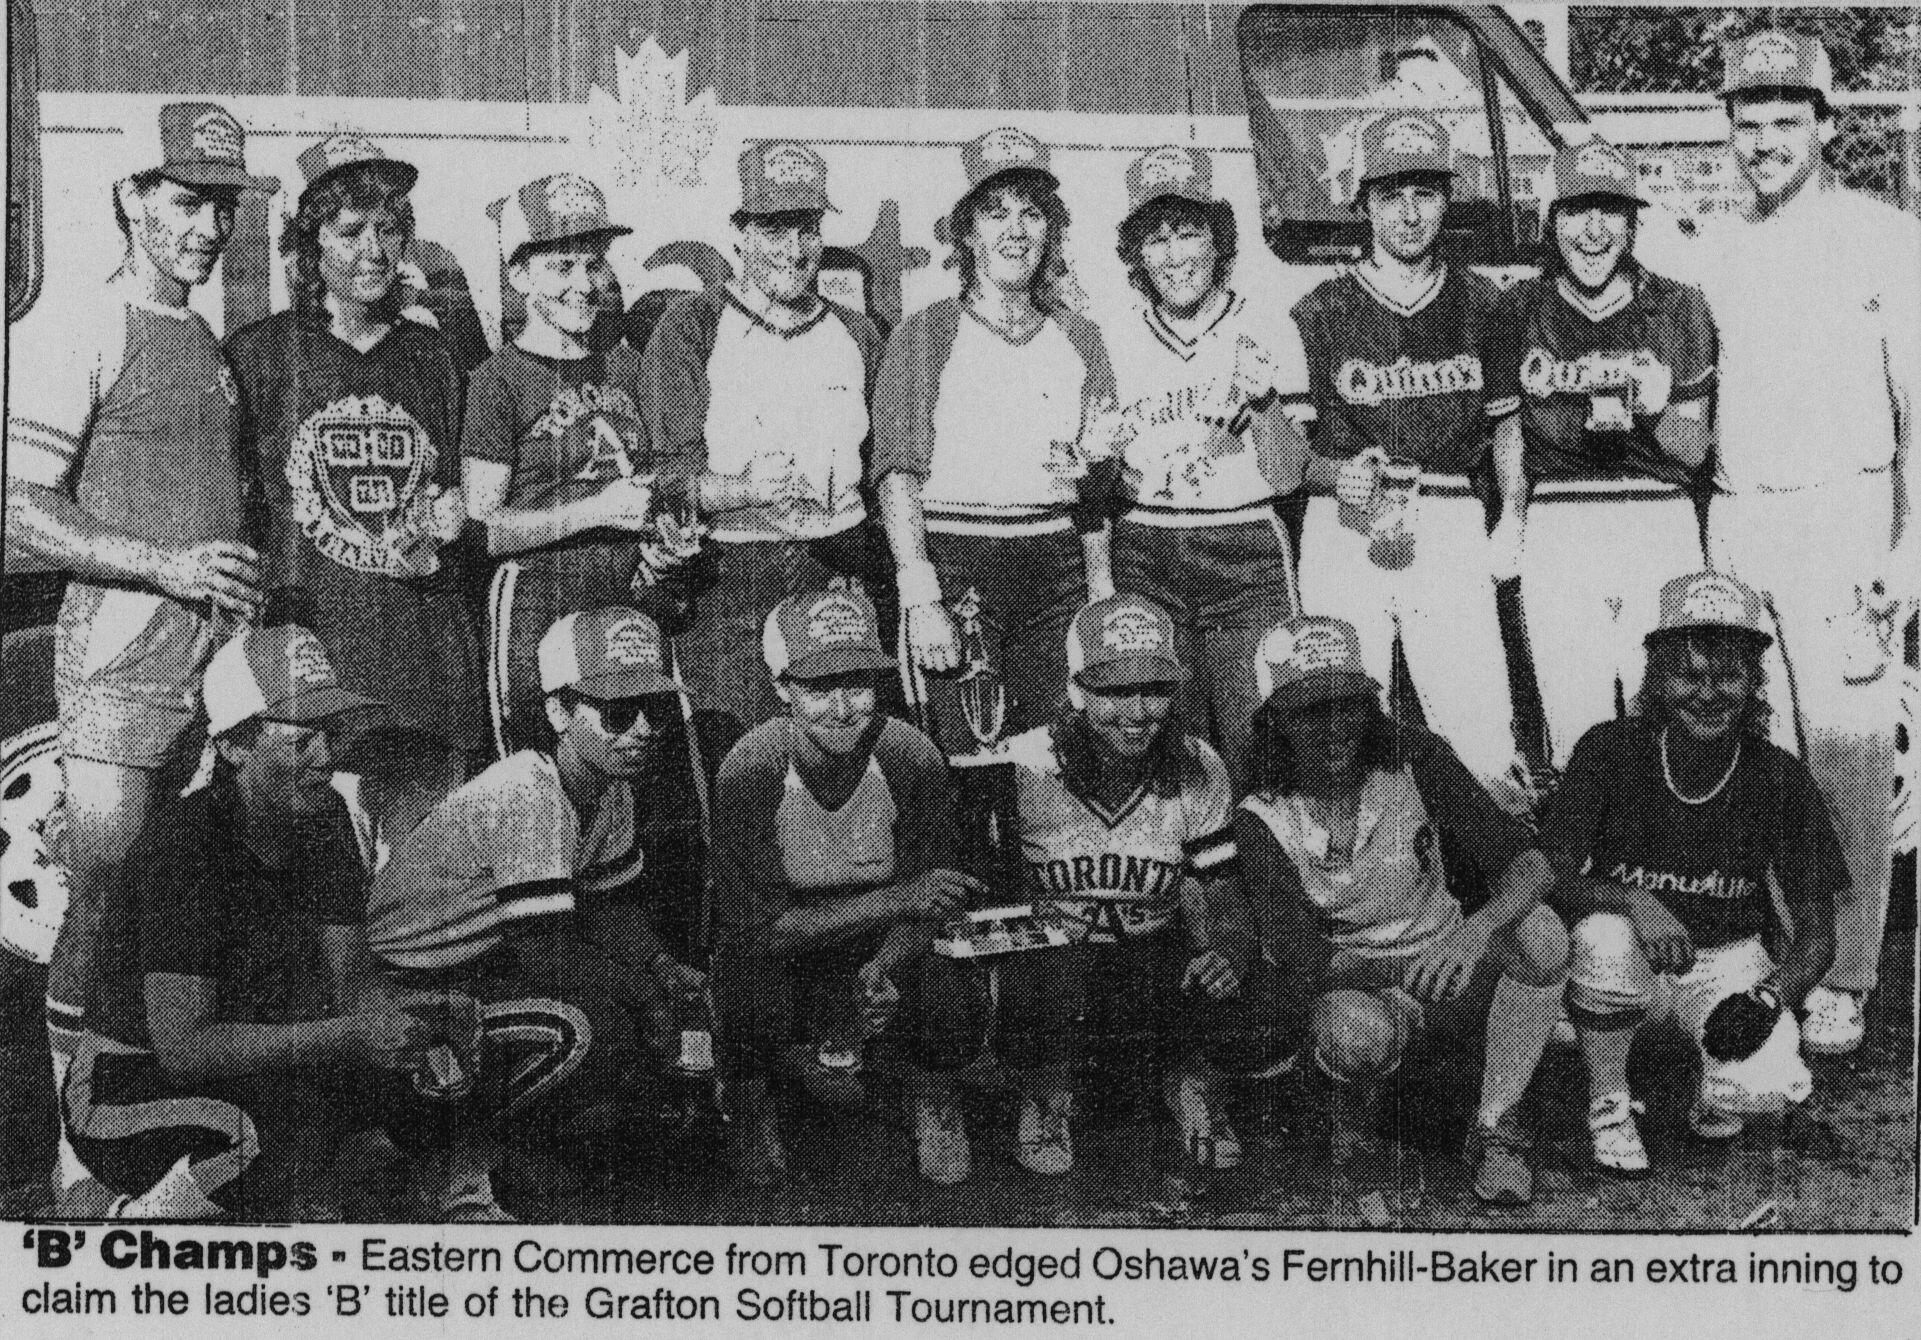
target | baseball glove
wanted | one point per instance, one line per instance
(1738, 1027)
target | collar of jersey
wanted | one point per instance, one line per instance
(785, 332)
(1611, 301)
(1176, 344)
(967, 310)
(1362, 276)
(1113, 818)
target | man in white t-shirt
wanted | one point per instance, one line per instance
(1817, 292)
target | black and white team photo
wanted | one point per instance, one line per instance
(1027, 614)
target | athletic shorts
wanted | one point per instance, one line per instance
(128, 666)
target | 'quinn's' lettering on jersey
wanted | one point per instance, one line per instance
(1364, 383)
(1542, 374)
(1711, 885)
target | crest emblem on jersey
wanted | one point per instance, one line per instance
(217, 135)
(1770, 53)
(359, 470)
(793, 165)
(834, 619)
(632, 642)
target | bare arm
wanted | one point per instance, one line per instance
(193, 1043)
(624, 504)
(1510, 471)
(926, 898)
(1097, 555)
(1685, 432)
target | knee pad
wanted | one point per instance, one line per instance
(1358, 1035)
(1541, 949)
(1610, 976)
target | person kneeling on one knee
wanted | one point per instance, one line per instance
(1341, 849)
(1667, 830)
(834, 842)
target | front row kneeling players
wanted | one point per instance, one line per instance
(1667, 830)
(1341, 845)
(237, 1026)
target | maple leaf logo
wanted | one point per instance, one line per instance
(648, 129)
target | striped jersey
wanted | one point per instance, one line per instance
(1176, 390)
(505, 848)
(1119, 872)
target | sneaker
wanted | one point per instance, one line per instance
(941, 1138)
(1205, 1133)
(1711, 1123)
(1834, 1025)
(1045, 1146)
(1618, 1150)
(1498, 1154)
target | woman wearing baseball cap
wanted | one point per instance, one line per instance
(984, 440)
(1126, 827)
(834, 848)
(1667, 831)
(349, 409)
(1341, 845)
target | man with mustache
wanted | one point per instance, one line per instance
(1614, 368)
(1817, 290)
(122, 471)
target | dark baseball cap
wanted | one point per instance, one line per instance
(822, 634)
(203, 144)
(1311, 659)
(611, 652)
(1124, 641)
(338, 152)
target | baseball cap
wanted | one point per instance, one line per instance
(1169, 170)
(1005, 150)
(1121, 642)
(779, 175)
(823, 633)
(1402, 144)
(1710, 600)
(1311, 659)
(278, 673)
(1595, 168)
(558, 208)
(611, 652)
(1773, 59)
(343, 150)
(202, 144)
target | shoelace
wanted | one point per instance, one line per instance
(1618, 1112)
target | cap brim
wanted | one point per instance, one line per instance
(775, 202)
(1323, 687)
(218, 174)
(1765, 639)
(306, 708)
(607, 233)
(832, 661)
(406, 174)
(1172, 195)
(1598, 193)
(638, 683)
(1132, 672)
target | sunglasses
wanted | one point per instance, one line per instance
(618, 715)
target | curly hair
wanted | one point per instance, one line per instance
(1272, 769)
(1216, 216)
(1172, 762)
(1669, 655)
(364, 186)
(1029, 187)
(1554, 265)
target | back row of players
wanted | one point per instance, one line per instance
(1022, 463)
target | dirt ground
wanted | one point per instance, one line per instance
(1846, 1161)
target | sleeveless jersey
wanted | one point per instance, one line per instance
(1388, 898)
(130, 408)
(1407, 379)
(1119, 873)
(1573, 370)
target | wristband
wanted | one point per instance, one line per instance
(919, 585)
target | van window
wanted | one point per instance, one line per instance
(1318, 76)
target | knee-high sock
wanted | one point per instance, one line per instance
(1518, 1024)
